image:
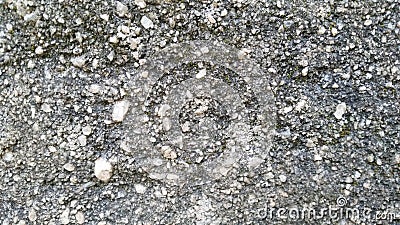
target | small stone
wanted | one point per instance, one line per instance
(370, 158)
(211, 19)
(46, 108)
(140, 188)
(349, 180)
(119, 110)
(166, 123)
(317, 157)
(224, 12)
(105, 17)
(162, 111)
(271, 70)
(52, 149)
(39, 50)
(346, 76)
(86, 130)
(303, 63)
(94, 88)
(300, 105)
(122, 10)
(282, 178)
(133, 43)
(95, 63)
(397, 158)
(269, 175)
(321, 30)
(172, 176)
(185, 127)
(367, 184)
(103, 169)
(334, 31)
(32, 215)
(287, 109)
(78, 61)
(31, 64)
(394, 70)
(340, 110)
(146, 22)
(80, 217)
(82, 140)
(378, 162)
(64, 217)
(140, 3)
(304, 71)
(69, 167)
(168, 152)
(110, 56)
(357, 175)
(310, 143)
(367, 22)
(201, 73)
(113, 39)
(8, 156)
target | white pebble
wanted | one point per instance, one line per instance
(211, 18)
(87, 130)
(140, 188)
(122, 9)
(113, 39)
(146, 22)
(64, 217)
(310, 143)
(32, 215)
(82, 140)
(119, 111)
(46, 108)
(69, 167)
(367, 22)
(321, 30)
(103, 169)
(224, 12)
(334, 31)
(39, 50)
(140, 3)
(78, 61)
(340, 110)
(162, 111)
(168, 152)
(201, 73)
(346, 76)
(283, 178)
(317, 157)
(94, 88)
(80, 217)
(105, 17)
(304, 71)
(8, 156)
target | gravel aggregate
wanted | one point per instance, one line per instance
(199, 112)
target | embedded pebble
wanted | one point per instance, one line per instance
(340, 110)
(103, 169)
(78, 61)
(140, 188)
(122, 9)
(119, 110)
(146, 22)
